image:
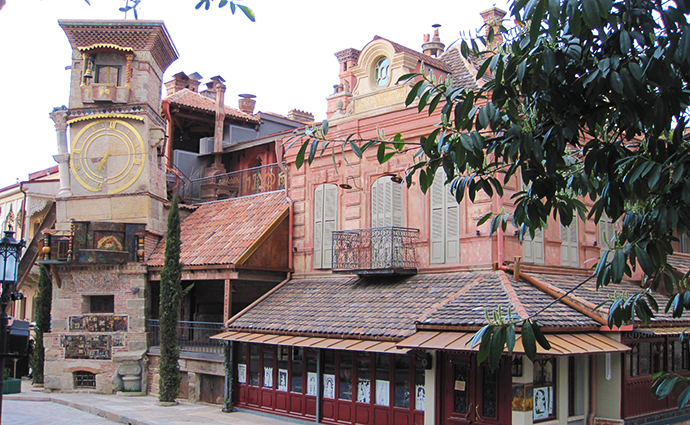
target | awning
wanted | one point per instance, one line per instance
(300, 341)
(565, 344)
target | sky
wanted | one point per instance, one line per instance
(285, 58)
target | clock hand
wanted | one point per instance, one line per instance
(102, 164)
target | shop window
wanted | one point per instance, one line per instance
(419, 387)
(254, 357)
(363, 381)
(242, 363)
(383, 380)
(345, 381)
(444, 231)
(84, 379)
(296, 370)
(312, 377)
(325, 214)
(283, 354)
(576, 385)
(268, 368)
(680, 355)
(544, 381)
(402, 382)
(329, 374)
(489, 392)
(99, 303)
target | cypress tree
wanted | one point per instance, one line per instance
(170, 293)
(44, 302)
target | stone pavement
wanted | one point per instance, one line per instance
(130, 410)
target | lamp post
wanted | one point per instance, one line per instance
(10, 252)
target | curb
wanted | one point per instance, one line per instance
(84, 408)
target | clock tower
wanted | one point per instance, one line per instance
(111, 145)
(116, 133)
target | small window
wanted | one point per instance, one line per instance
(101, 304)
(544, 381)
(62, 249)
(108, 74)
(84, 379)
(382, 72)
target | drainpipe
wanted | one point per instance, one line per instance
(169, 132)
(501, 242)
(592, 390)
(228, 405)
(279, 159)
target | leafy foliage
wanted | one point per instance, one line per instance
(170, 295)
(231, 4)
(584, 99)
(44, 302)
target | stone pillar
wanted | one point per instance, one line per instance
(130, 368)
(59, 117)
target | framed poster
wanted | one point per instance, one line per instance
(363, 391)
(420, 395)
(543, 403)
(242, 373)
(383, 393)
(268, 377)
(311, 383)
(282, 380)
(329, 386)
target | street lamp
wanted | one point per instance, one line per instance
(10, 253)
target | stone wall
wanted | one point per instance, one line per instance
(194, 369)
(87, 340)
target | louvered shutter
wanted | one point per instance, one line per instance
(377, 204)
(318, 227)
(533, 249)
(386, 203)
(437, 231)
(606, 233)
(330, 210)
(452, 228)
(396, 203)
(569, 245)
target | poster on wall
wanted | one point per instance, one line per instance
(282, 379)
(329, 386)
(363, 391)
(311, 383)
(242, 373)
(268, 377)
(420, 395)
(543, 403)
(383, 393)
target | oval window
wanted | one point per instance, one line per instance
(382, 72)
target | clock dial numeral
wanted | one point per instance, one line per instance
(136, 161)
(77, 166)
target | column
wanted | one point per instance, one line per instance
(59, 117)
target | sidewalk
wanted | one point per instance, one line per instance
(145, 410)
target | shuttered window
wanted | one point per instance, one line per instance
(386, 203)
(570, 248)
(685, 244)
(325, 210)
(533, 249)
(444, 232)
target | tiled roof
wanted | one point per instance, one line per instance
(680, 261)
(390, 307)
(186, 97)
(462, 75)
(435, 62)
(221, 232)
(590, 293)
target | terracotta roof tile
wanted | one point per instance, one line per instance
(390, 307)
(435, 62)
(220, 232)
(186, 97)
(680, 261)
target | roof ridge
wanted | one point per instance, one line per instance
(581, 305)
(513, 296)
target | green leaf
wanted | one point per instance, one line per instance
(684, 397)
(355, 149)
(247, 12)
(616, 82)
(667, 384)
(299, 160)
(510, 339)
(381, 153)
(485, 345)
(312, 150)
(539, 336)
(528, 340)
(324, 127)
(498, 342)
(413, 93)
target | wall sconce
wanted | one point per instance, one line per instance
(517, 232)
(595, 243)
(479, 232)
(347, 186)
(394, 177)
(516, 366)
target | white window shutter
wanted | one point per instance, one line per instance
(318, 227)
(569, 245)
(452, 229)
(376, 204)
(330, 211)
(437, 230)
(533, 249)
(396, 203)
(386, 203)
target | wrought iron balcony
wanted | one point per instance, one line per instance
(192, 337)
(379, 250)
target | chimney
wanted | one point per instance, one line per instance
(182, 81)
(300, 116)
(247, 103)
(433, 48)
(219, 92)
(493, 18)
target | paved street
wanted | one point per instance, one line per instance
(15, 412)
(34, 407)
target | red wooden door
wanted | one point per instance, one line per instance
(473, 394)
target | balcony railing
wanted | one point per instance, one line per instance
(379, 250)
(267, 178)
(191, 336)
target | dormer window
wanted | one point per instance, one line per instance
(382, 72)
(107, 71)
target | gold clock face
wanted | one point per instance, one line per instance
(107, 156)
